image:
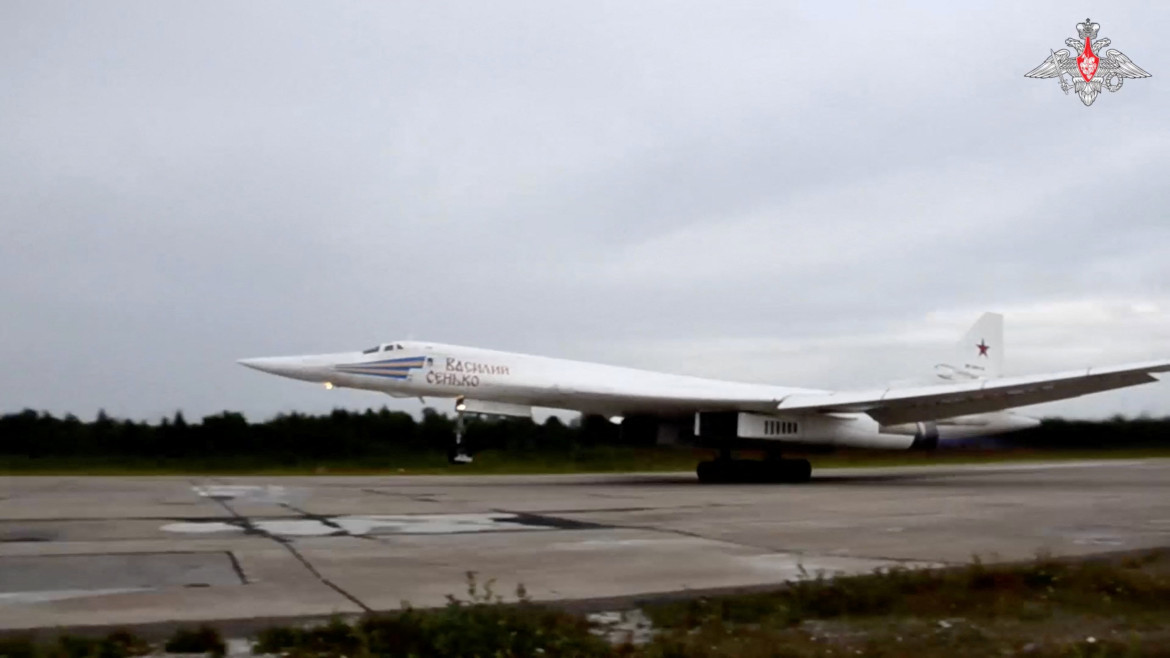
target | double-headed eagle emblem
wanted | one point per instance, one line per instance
(1088, 73)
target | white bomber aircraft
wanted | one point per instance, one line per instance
(968, 397)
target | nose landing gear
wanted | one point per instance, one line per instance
(457, 453)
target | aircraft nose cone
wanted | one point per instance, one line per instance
(285, 366)
(266, 364)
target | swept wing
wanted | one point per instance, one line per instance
(907, 405)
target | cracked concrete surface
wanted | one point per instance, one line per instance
(78, 551)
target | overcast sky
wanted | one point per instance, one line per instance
(803, 194)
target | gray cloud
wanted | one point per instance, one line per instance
(805, 195)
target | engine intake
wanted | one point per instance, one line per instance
(926, 438)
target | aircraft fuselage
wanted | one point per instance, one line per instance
(507, 383)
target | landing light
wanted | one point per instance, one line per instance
(460, 405)
(328, 386)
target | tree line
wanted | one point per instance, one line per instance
(351, 436)
(287, 438)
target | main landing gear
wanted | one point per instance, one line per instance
(457, 453)
(724, 469)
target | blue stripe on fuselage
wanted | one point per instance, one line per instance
(398, 368)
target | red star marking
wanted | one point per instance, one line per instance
(982, 347)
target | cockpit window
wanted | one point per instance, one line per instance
(371, 350)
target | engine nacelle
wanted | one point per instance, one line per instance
(836, 429)
(853, 430)
(925, 434)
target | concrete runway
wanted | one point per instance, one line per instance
(78, 551)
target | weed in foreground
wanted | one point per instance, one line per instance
(118, 644)
(202, 640)
(483, 624)
(1046, 608)
(18, 647)
(1032, 591)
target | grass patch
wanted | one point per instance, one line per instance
(118, 644)
(1032, 591)
(201, 640)
(599, 459)
(860, 458)
(1048, 607)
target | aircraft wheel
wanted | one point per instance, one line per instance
(797, 470)
(712, 471)
(456, 456)
(754, 471)
(786, 471)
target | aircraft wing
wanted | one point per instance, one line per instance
(908, 405)
(625, 400)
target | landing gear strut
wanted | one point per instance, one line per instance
(457, 454)
(772, 469)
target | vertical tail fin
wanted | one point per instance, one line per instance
(979, 355)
